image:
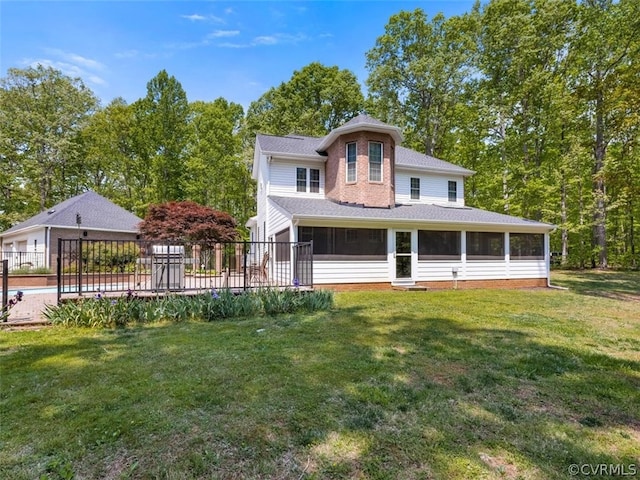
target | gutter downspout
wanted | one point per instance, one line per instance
(548, 255)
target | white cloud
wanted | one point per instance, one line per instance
(75, 59)
(265, 40)
(224, 33)
(72, 65)
(232, 45)
(196, 17)
(279, 38)
(68, 69)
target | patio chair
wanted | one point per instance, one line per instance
(258, 272)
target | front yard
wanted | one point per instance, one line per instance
(437, 384)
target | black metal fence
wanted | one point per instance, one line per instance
(4, 275)
(90, 266)
(24, 260)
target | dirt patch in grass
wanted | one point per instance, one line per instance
(500, 465)
(444, 375)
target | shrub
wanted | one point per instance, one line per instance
(110, 256)
(105, 312)
(30, 271)
(280, 301)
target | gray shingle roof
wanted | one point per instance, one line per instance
(307, 146)
(405, 157)
(290, 145)
(96, 211)
(427, 213)
(364, 119)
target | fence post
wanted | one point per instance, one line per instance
(59, 281)
(311, 261)
(5, 288)
(245, 275)
(79, 263)
(59, 275)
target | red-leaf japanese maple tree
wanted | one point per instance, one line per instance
(189, 222)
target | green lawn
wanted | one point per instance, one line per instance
(388, 385)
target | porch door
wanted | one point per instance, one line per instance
(403, 255)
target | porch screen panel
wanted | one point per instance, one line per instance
(438, 245)
(526, 246)
(485, 246)
(331, 243)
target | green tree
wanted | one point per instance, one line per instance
(216, 173)
(314, 101)
(605, 52)
(163, 134)
(417, 74)
(113, 166)
(187, 221)
(522, 57)
(41, 114)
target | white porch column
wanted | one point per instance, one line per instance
(463, 254)
(507, 254)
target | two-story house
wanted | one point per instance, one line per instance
(379, 213)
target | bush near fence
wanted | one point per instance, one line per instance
(105, 312)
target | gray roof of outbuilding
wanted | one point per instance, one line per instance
(96, 213)
(427, 213)
(292, 145)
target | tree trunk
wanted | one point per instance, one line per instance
(599, 213)
(563, 219)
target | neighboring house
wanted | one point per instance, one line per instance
(379, 213)
(34, 242)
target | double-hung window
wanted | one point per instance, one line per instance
(375, 162)
(352, 153)
(301, 179)
(314, 180)
(453, 191)
(415, 189)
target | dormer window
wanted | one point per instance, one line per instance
(453, 191)
(352, 153)
(415, 188)
(375, 162)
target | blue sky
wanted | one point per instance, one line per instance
(231, 49)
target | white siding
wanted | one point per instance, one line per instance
(277, 220)
(438, 270)
(262, 189)
(282, 272)
(433, 188)
(528, 269)
(283, 179)
(480, 270)
(30, 242)
(484, 270)
(350, 272)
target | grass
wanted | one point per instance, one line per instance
(438, 384)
